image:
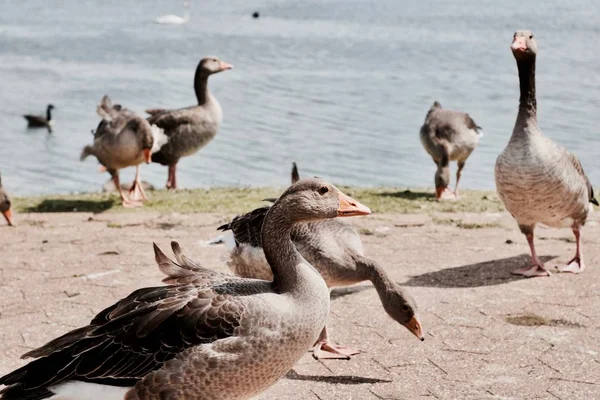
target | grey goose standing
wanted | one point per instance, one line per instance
(191, 128)
(5, 205)
(336, 251)
(204, 336)
(39, 121)
(448, 135)
(124, 139)
(539, 181)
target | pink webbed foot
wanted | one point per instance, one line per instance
(326, 350)
(575, 266)
(137, 192)
(531, 272)
(131, 204)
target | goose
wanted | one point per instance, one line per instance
(539, 181)
(5, 205)
(205, 335)
(38, 121)
(124, 139)
(191, 128)
(171, 19)
(448, 135)
(336, 251)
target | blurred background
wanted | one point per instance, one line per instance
(340, 86)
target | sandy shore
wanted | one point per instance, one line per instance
(488, 334)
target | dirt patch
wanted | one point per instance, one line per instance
(537, 320)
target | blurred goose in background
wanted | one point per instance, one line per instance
(5, 205)
(538, 180)
(191, 128)
(205, 335)
(39, 121)
(171, 19)
(336, 251)
(124, 139)
(448, 136)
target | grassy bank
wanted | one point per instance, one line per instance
(236, 200)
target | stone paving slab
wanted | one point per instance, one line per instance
(489, 335)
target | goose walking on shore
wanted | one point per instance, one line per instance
(39, 121)
(336, 251)
(539, 181)
(205, 335)
(124, 139)
(191, 128)
(448, 136)
(5, 205)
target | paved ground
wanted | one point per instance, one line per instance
(489, 335)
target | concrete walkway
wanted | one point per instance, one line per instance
(489, 335)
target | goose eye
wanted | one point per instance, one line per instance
(530, 36)
(405, 307)
(323, 190)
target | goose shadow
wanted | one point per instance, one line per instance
(408, 194)
(336, 380)
(487, 273)
(65, 205)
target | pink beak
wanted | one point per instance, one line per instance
(225, 66)
(519, 44)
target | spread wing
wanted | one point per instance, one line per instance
(247, 228)
(136, 335)
(577, 164)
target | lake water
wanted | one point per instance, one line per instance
(340, 86)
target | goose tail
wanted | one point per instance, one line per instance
(159, 138)
(87, 151)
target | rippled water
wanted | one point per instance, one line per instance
(340, 86)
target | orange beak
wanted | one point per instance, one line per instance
(225, 66)
(147, 155)
(415, 327)
(8, 216)
(350, 207)
(519, 44)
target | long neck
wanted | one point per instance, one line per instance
(280, 252)
(371, 270)
(201, 86)
(48, 115)
(527, 100)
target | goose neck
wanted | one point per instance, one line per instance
(48, 114)
(527, 100)
(201, 86)
(280, 252)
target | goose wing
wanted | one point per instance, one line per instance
(247, 228)
(135, 336)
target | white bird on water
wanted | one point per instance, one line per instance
(171, 19)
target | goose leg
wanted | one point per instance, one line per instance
(323, 349)
(124, 200)
(137, 192)
(172, 179)
(576, 265)
(8, 216)
(537, 268)
(461, 165)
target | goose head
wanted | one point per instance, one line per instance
(524, 46)
(312, 199)
(50, 107)
(403, 309)
(212, 65)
